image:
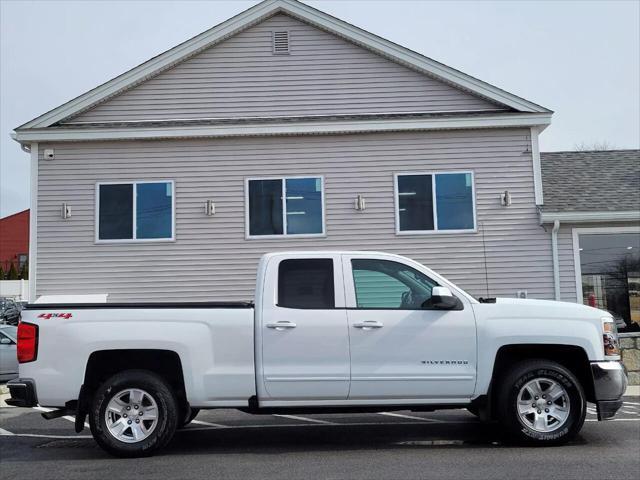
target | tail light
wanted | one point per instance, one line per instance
(610, 338)
(27, 342)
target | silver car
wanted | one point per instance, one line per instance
(8, 353)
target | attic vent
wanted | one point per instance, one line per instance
(281, 43)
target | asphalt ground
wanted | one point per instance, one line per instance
(222, 444)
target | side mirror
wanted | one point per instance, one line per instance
(442, 299)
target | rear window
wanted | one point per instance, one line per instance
(306, 283)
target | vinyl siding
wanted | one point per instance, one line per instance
(323, 75)
(211, 260)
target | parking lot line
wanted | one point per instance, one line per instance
(209, 424)
(615, 420)
(410, 417)
(66, 417)
(42, 435)
(305, 419)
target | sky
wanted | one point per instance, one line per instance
(581, 59)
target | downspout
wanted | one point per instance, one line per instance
(554, 254)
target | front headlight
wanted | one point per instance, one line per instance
(610, 337)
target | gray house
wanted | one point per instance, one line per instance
(286, 128)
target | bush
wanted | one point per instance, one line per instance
(13, 273)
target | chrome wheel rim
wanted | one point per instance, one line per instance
(543, 405)
(131, 415)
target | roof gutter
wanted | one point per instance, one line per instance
(554, 255)
(590, 217)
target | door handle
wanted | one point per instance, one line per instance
(368, 325)
(282, 325)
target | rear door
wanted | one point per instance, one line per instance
(400, 350)
(303, 329)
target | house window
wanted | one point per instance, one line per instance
(609, 273)
(285, 206)
(435, 202)
(22, 260)
(141, 211)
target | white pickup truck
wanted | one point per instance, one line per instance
(328, 331)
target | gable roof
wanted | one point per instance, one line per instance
(257, 14)
(591, 181)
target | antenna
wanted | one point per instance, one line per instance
(484, 251)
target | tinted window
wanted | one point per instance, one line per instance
(386, 284)
(153, 210)
(304, 205)
(415, 202)
(306, 283)
(116, 212)
(454, 201)
(265, 207)
(610, 268)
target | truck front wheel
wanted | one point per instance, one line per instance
(541, 403)
(133, 414)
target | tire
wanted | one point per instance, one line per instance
(567, 411)
(189, 415)
(136, 439)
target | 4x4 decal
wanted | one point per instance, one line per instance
(47, 316)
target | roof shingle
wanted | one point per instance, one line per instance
(607, 180)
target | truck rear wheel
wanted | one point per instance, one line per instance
(133, 414)
(541, 403)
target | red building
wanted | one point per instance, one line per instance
(14, 240)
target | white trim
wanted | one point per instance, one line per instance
(435, 230)
(135, 184)
(575, 234)
(33, 222)
(555, 260)
(320, 116)
(284, 233)
(258, 13)
(537, 168)
(283, 128)
(580, 217)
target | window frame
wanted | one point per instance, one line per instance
(284, 234)
(575, 238)
(134, 183)
(435, 231)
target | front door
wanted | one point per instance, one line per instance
(399, 350)
(305, 339)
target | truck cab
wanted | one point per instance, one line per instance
(362, 328)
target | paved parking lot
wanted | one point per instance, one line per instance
(231, 444)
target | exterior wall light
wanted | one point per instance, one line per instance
(209, 208)
(65, 212)
(505, 198)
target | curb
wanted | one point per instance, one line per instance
(632, 391)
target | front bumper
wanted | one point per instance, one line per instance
(609, 385)
(23, 393)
